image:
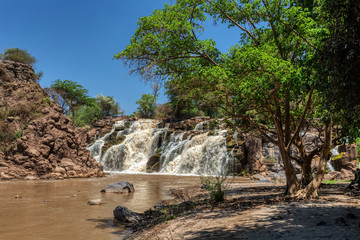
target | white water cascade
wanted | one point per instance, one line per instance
(334, 153)
(194, 152)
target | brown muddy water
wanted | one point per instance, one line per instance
(58, 209)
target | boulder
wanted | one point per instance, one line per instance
(153, 164)
(125, 215)
(119, 187)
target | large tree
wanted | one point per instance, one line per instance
(263, 80)
(338, 64)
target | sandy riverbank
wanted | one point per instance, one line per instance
(258, 211)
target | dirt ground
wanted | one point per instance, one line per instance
(259, 211)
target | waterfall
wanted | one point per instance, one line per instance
(179, 152)
(330, 167)
(334, 152)
(200, 154)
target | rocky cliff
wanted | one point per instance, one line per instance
(36, 139)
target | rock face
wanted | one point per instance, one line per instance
(119, 187)
(36, 139)
(125, 215)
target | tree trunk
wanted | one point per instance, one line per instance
(311, 190)
(306, 172)
(292, 183)
(73, 114)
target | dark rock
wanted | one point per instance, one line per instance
(153, 164)
(277, 218)
(341, 221)
(125, 215)
(321, 223)
(351, 216)
(119, 187)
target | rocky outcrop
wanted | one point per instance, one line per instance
(39, 142)
(346, 159)
(125, 215)
(119, 187)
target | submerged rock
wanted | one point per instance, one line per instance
(95, 202)
(119, 187)
(123, 214)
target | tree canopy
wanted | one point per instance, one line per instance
(338, 64)
(146, 108)
(109, 106)
(264, 80)
(73, 95)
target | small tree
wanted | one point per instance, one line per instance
(18, 55)
(87, 114)
(109, 106)
(73, 95)
(156, 89)
(146, 107)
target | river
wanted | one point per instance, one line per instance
(50, 209)
(58, 209)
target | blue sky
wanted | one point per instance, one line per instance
(77, 39)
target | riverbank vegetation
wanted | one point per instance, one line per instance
(272, 81)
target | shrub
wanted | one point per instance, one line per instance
(87, 114)
(18, 134)
(216, 187)
(18, 55)
(47, 101)
(163, 111)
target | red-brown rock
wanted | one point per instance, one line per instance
(47, 144)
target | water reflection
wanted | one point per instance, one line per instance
(55, 210)
(59, 209)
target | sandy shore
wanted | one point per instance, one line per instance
(260, 212)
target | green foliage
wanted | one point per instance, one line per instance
(266, 80)
(146, 108)
(18, 134)
(109, 106)
(214, 124)
(25, 112)
(87, 114)
(338, 64)
(47, 101)
(216, 187)
(18, 55)
(335, 181)
(163, 111)
(73, 95)
(172, 211)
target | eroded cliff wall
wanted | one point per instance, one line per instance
(36, 139)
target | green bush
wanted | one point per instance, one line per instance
(47, 101)
(216, 187)
(18, 134)
(18, 55)
(87, 114)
